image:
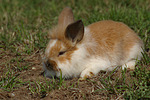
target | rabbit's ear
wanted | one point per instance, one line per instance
(66, 17)
(75, 31)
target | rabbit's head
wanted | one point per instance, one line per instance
(64, 39)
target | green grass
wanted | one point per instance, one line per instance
(138, 87)
(42, 88)
(9, 81)
(24, 25)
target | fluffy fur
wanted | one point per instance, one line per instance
(83, 53)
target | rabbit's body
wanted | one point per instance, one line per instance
(100, 46)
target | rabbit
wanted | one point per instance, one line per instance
(75, 50)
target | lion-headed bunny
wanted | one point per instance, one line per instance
(78, 51)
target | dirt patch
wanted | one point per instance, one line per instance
(31, 73)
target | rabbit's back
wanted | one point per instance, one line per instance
(115, 41)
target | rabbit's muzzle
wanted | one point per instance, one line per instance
(51, 65)
(50, 68)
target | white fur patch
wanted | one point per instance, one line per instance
(74, 67)
(94, 65)
(130, 65)
(136, 52)
(50, 45)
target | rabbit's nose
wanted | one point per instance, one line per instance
(48, 65)
(51, 65)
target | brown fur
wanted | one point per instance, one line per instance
(67, 56)
(108, 33)
(54, 52)
(66, 17)
(58, 33)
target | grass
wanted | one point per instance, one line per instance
(24, 27)
(41, 88)
(9, 81)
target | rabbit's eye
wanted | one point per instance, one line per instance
(61, 53)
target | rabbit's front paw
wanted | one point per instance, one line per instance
(87, 73)
(129, 65)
